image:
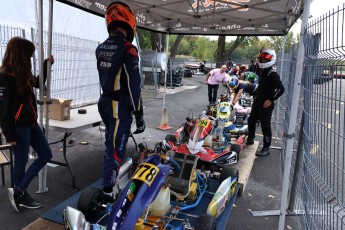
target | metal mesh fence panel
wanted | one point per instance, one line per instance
(324, 130)
(74, 73)
(6, 33)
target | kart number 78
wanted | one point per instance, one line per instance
(146, 172)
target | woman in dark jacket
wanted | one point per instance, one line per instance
(18, 119)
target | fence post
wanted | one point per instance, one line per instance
(280, 74)
(293, 119)
(297, 168)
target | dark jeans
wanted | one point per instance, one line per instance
(264, 115)
(212, 93)
(26, 137)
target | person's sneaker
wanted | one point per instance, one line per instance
(27, 201)
(14, 197)
(264, 152)
(105, 198)
(250, 141)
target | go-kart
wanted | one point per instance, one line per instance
(206, 141)
(159, 197)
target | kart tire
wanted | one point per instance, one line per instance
(171, 138)
(228, 172)
(237, 149)
(205, 222)
(89, 203)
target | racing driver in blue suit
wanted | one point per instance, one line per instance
(118, 68)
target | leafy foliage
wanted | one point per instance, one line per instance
(202, 48)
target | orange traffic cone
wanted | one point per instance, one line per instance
(164, 121)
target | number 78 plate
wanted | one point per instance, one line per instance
(146, 172)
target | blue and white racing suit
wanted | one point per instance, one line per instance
(118, 68)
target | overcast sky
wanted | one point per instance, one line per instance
(319, 8)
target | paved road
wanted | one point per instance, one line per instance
(262, 191)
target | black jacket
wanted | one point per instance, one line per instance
(270, 86)
(16, 109)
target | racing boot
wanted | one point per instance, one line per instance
(265, 151)
(250, 141)
(139, 120)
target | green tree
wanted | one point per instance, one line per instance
(224, 54)
(204, 49)
(275, 42)
(174, 44)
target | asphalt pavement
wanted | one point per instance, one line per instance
(262, 191)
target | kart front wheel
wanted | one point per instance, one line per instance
(205, 222)
(89, 203)
(228, 172)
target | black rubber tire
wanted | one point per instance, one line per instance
(171, 137)
(89, 203)
(237, 149)
(228, 171)
(205, 222)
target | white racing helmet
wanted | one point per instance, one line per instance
(267, 58)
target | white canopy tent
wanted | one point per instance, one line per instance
(210, 17)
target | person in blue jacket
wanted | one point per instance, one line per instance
(18, 119)
(238, 87)
(118, 69)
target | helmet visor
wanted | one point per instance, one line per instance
(265, 57)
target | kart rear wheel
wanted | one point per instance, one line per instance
(171, 138)
(205, 222)
(237, 149)
(89, 203)
(228, 172)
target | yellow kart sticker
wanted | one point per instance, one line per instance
(203, 123)
(146, 172)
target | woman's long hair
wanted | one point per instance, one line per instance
(17, 61)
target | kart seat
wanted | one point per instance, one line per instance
(208, 141)
(181, 182)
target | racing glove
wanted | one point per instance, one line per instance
(139, 120)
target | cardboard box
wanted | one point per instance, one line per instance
(59, 109)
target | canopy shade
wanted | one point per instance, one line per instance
(207, 17)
